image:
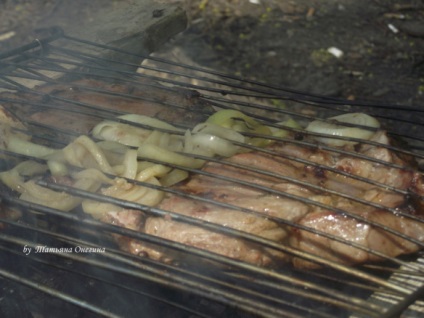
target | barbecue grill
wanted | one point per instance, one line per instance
(58, 263)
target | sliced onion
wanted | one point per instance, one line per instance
(152, 172)
(219, 131)
(174, 177)
(14, 178)
(192, 148)
(188, 142)
(123, 190)
(130, 164)
(149, 121)
(176, 143)
(280, 132)
(114, 152)
(32, 192)
(122, 133)
(91, 173)
(213, 144)
(112, 146)
(157, 153)
(98, 209)
(25, 147)
(85, 153)
(233, 119)
(57, 168)
(336, 129)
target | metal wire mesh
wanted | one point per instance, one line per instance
(73, 258)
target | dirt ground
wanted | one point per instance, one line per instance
(282, 42)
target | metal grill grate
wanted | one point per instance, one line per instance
(50, 76)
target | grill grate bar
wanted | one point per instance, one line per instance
(273, 96)
(225, 205)
(55, 293)
(354, 305)
(91, 108)
(104, 69)
(292, 180)
(234, 102)
(333, 149)
(302, 183)
(121, 286)
(255, 290)
(327, 168)
(302, 94)
(201, 253)
(267, 189)
(168, 280)
(398, 309)
(214, 227)
(146, 271)
(413, 147)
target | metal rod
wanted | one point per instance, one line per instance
(208, 255)
(33, 66)
(57, 294)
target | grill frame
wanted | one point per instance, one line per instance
(231, 300)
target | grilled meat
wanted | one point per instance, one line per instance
(299, 185)
(236, 195)
(343, 173)
(273, 195)
(374, 238)
(78, 105)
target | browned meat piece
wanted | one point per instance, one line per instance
(309, 215)
(205, 239)
(358, 232)
(130, 219)
(390, 176)
(372, 237)
(234, 194)
(125, 218)
(67, 111)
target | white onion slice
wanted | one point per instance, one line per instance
(14, 178)
(174, 177)
(57, 168)
(130, 164)
(336, 129)
(153, 171)
(149, 121)
(112, 146)
(121, 133)
(213, 144)
(25, 147)
(157, 153)
(32, 192)
(219, 131)
(85, 153)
